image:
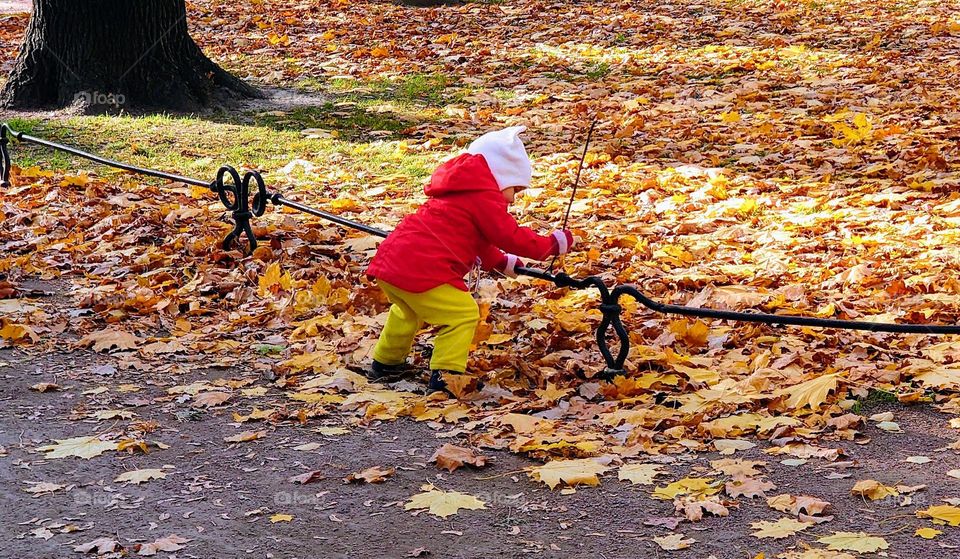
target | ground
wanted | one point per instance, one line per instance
(796, 158)
(220, 495)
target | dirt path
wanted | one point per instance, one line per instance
(220, 495)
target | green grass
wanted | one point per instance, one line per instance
(598, 70)
(347, 119)
(424, 90)
(873, 399)
(370, 109)
(197, 147)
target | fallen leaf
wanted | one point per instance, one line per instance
(796, 505)
(873, 490)
(674, 542)
(854, 541)
(947, 513)
(309, 477)
(451, 457)
(172, 542)
(443, 503)
(211, 399)
(45, 387)
(109, 338)
(727, 447)
(41, 487)
(280, 518)
(246, 436)
(811, 393)
(687, 486)
(100, 545)
(748, 487)
(571, 472)
(375, 474)
(737, 467)
(783, 528)
(640, 474)
(927, 533)
(81, 447)
(137, 477)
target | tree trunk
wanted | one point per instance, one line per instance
(108, 55)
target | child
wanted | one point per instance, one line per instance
(465, 222)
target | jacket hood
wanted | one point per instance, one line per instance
(464, 173)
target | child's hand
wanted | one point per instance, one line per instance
(564, 240)
(509, 264)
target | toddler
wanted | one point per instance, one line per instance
(466, 221)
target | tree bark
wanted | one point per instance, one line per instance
(108, 55)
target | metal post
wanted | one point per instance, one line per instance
(5, 164)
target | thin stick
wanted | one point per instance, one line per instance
(576, 183)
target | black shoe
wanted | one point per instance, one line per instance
(436, 383)
(380, 371)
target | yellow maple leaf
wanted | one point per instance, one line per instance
(732, 116)
(18, 332)
(317, 361)
(581, 471)
(275, 39)
(783, 528)
(854, 541)
(281, 518)
(810, 393)
(947, 513)
(927, 533)
(81, 179)
(552, 393)
(674, 542)
(640, 474)
(274, 280)
(699, 486)
(873, 490)
(81, 447)
(443, 503)
(137, 477)
(35, 173)
(246, 436)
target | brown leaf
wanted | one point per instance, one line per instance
(738, 467)
(450, 457)
(211, 399)
(45, 387)
(693, 509)
(246, 436)
(109, 338)
(101, 545)
(172, 542)
(308, 477)
(797, 505)
(460, 385)
(375, 474)
(748, 487)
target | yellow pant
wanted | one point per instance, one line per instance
(446, 306)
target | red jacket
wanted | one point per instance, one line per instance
(465, 218)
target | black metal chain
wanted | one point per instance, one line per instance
(234, 194)
(612, 311)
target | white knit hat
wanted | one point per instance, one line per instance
(505, 156)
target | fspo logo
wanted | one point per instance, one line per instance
(91, 98)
